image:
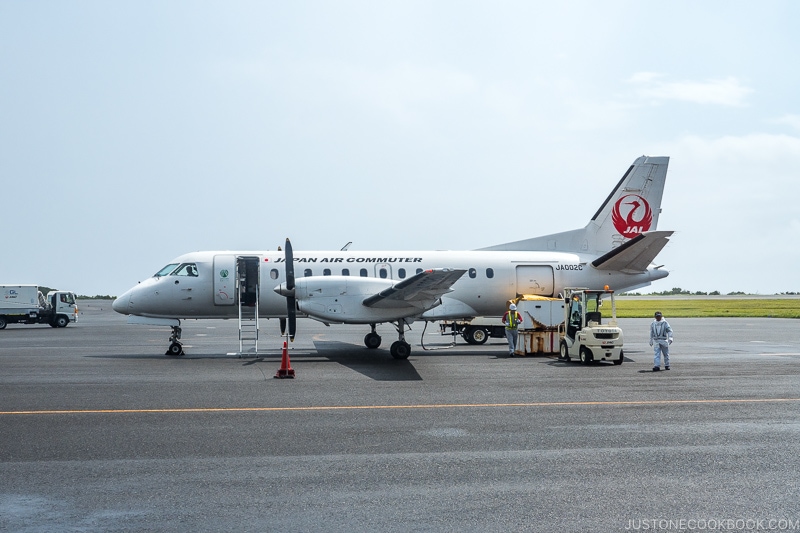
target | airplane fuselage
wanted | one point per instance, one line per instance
(490, 280)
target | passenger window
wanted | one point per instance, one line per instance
(345, 272)
(473, 273)
(401, 272)
(273, 273)
(382, 273)
(363, 272)
(326, 272)
(307, 273)
(489, 272)
(419, 271)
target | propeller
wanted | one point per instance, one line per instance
(291, 305)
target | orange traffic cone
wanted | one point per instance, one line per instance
(286, 370)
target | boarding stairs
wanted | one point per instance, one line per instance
(248, 326)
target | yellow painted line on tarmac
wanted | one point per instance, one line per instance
(659, 403)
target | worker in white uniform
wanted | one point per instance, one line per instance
(660, 339)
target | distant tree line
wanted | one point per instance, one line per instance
(45, 289)
(678, 291)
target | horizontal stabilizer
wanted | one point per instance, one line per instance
(635, 255)
(421, 290)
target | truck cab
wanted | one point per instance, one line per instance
(583, 333)
(63, 308)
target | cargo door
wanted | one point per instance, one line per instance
(535, 279)
(224, 280)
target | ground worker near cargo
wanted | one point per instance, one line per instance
(660, 339)
(512, 320)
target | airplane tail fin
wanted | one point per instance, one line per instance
(631, 210)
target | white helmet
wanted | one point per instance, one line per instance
(512, 307)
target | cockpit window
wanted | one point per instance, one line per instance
(186, 269)
(166, 270)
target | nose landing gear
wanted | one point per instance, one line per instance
(175, 348)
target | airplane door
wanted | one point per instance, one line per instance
(535, 279)
(224, 280)
(247, 268)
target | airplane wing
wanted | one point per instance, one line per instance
(421, 290)
(635, 255)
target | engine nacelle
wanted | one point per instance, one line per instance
(340, 299)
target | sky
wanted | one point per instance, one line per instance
(132, 132)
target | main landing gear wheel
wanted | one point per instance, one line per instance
(400, 350)
(372, 340)
(475, 335)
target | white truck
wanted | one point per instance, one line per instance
(25, 304)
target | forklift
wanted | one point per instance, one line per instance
(583, 334)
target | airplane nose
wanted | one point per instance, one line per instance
(122, 303)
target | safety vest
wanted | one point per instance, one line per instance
(513, 320)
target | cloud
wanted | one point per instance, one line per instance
(749, 178)
(405, 91)
(792, 121)
(731, 200)
(760, 150)
(725, 92)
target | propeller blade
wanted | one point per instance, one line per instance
(291, 305)
(283, 326)
(289, 266)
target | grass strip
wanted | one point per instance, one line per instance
(701, 307)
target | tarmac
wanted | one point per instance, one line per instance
(100, 431)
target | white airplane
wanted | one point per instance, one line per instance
(616, 248)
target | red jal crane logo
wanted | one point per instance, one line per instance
(637, 217)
